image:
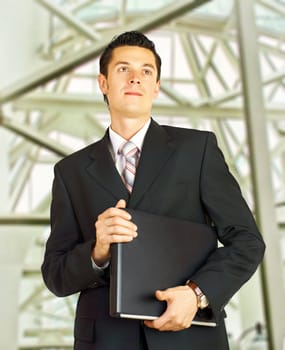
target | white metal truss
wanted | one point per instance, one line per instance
(60, 109)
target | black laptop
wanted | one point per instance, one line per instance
(166, 253)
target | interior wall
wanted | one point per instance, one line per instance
(25, 23)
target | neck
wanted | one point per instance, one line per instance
(128, 127)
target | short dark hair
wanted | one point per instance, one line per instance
(132, 38)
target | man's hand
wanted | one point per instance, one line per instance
(112, 226)
(180, 311)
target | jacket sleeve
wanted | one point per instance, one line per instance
(67, 266)
(242, 247)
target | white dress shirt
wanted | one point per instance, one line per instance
(116, 141)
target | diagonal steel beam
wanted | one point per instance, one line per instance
(70, 20)
(35, 137)
(273, 6)
(56, 69)
(174, 95)
(272, 78)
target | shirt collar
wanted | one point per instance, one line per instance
(116, 140)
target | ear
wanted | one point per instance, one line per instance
(157, 89)
(102, 81)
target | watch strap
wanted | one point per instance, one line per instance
(202, 301)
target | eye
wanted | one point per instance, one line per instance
(147, 71)
(123, 69)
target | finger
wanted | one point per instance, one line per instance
(121, 228)
(164, 295)
(114, 211)
(121, 204)
(161, 295)
(162, 323)
(115, 234)
(120, 238)
(166, 321)
(169, 321)
(117, 223)
(149, 324)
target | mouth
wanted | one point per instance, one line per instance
(133, 93)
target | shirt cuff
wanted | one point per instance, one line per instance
(99, 268)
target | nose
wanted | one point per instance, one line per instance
(134, 79)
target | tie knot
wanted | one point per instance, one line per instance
(128, 149)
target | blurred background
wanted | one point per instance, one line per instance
(223, 70)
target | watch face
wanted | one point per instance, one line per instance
(203, 302)
(201, 298)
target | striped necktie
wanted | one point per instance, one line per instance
(130, 151)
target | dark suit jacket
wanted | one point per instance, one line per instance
(181, 173)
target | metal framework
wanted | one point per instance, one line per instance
(207, 83)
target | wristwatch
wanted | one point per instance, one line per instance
(202, 300)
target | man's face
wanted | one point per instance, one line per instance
(131, 84)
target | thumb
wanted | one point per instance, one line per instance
(161, 295)
(121, 204)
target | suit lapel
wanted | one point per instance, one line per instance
(157, 149)
(104, 171)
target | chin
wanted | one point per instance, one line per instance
(133, 110)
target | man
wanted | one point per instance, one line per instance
(179, 173)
